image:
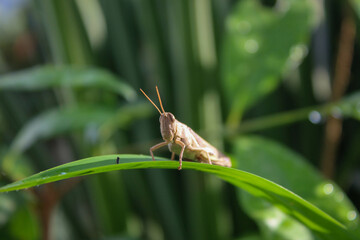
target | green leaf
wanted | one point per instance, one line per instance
(104, 120)
(59, 121)
(260, 44)
(8, 205)
(356, 5)
(251, 237)
(276, 163)
(49, 76)
(346, 107)
(311, 216)
(25, 224)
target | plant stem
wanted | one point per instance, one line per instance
(293, 116)
(333, 129)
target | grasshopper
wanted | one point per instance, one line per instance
(183, 141)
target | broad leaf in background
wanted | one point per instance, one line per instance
(65, 76)
(276, 163)
(255, 51)
(321, 223)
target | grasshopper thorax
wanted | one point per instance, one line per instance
(167, 126)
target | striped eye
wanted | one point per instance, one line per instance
(171, 117)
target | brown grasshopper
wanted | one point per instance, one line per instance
(184, 142)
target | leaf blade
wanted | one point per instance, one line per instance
(254, 55)
(50, 76)
(311, 216)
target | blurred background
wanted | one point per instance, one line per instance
(272, 83)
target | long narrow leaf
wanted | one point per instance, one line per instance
(49, 76)
(311, 216)
(64, 120)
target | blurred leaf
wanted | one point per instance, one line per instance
(123, 117)
(315, 219)
(14, 209)
(16, 166)
(121, 39)
(111, 203)
(356, 5)
(119, 238)
(348, 106)
(49, 76)
(65, 32)
(260, 44)
(274, 162)
(60, 121)
(251, 237)
(7, 208)
(25, 224)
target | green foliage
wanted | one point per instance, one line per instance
(316, 220)
(356, 6)
(103, 120)
(278, 164)
(44, 77)
(69, 90)
(259, 46)
(24, 224)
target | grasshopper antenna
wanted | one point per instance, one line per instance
(151, 101)
(162, 108)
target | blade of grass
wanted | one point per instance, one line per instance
(121, 40)
(318, 221)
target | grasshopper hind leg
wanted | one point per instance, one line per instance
(204, 150)
(208, 157)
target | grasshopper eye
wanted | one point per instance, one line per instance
(171, 117)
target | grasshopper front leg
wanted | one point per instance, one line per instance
(157, 146)
(181, 153)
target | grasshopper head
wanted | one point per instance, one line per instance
(167, 126)
(167, 120)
